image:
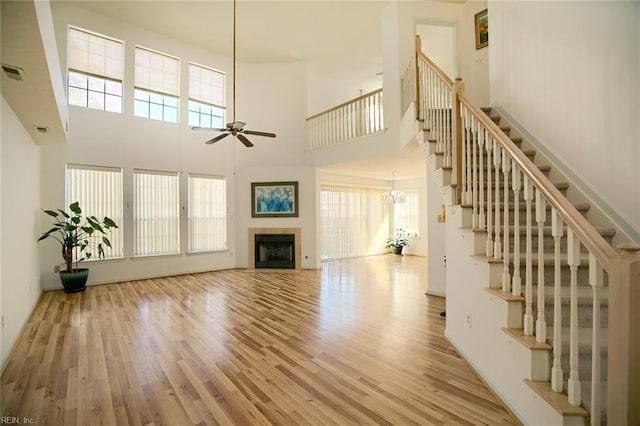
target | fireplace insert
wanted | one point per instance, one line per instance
(275, 251)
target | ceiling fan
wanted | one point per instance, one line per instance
(235, 128)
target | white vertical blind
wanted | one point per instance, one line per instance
(157, 72)
(206, 85)
(95, 54)
(156, 213)
(354, 221)
(405, 215)
(207, 213)
(98, 190)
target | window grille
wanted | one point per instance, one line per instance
(157, 85)
(95, 65)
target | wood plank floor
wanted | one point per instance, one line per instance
(357, 342)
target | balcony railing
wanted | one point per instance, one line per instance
(358, 117)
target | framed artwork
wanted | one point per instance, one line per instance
(482, 29)
(274, 199)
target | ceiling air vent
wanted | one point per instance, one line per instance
(41, 129)
(14, 73)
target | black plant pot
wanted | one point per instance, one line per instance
(74, 281)
(397, 249)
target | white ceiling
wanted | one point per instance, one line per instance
(331, 36)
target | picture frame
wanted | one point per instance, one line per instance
(274, 199)
(482, 29)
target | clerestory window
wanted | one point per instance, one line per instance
(206, 97)
(157, 85)
(95, 68)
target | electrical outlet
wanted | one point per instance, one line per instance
(469, 320)
(56, 268)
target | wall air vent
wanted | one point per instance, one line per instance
(14, 73)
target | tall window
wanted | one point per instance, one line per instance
(206, 97)
(156, 213)
(98, 190)
(157, 85)
(405, 215)
(95, 70)
(207, 213)
(354, 221)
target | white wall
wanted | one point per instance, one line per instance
(474, 64)
(568, 73)
(20, 217)
(436, 243)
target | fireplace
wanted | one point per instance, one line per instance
(275, 251)
(297, 246)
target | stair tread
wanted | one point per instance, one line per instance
(528, 341)
(504, 295)
(558, 401)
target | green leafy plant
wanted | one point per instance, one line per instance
(396, 241)
(79, 236)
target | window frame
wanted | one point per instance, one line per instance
(88, 90)
(190, 214)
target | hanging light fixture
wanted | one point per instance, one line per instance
(392, 196)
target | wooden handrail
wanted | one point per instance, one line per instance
(592, 240)
(352, 101)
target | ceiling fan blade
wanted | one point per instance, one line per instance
(254, 132)
(209, 128)
(244, 140)
(217, 138)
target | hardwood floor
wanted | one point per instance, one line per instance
(355, 343)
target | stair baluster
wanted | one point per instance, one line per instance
(489, 146)
(448, 133)
(464, 115)
(516, 184)
(573, 252)
(497, 241)
(596, 280)
(541, 324)
(506, 277)
(528, 298)
(481, 206)
(556, 369)
(473, 132)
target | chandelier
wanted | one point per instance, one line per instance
(392, 196)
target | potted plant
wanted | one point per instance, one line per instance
(396, 243)
(80, 237)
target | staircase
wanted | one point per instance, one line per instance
(585, 300)
(548, 252)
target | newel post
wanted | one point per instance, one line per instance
(456, 136)
(623, 388)
(416, 71)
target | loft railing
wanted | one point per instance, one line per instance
(361, 116)
(492, 176)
